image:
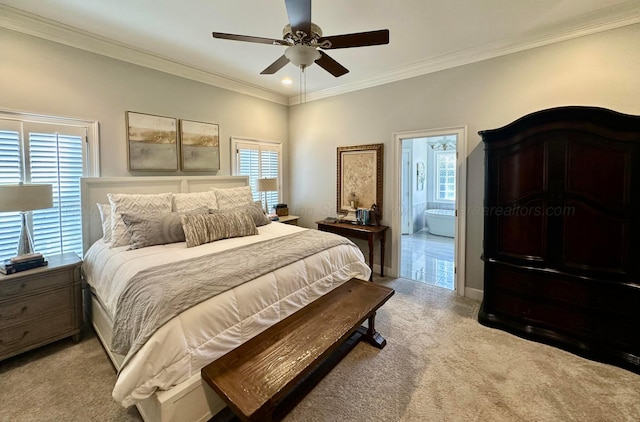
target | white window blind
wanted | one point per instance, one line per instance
(52, 153)
(258, 160)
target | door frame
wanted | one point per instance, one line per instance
(461, 198)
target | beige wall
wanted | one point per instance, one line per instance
(48, 78)
(44, 77)
(600, 70)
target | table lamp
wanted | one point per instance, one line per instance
(267, 185)
(24, 198)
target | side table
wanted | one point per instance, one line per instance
(368, 233)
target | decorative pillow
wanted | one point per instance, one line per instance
(134, 204)
(254, 209)
(105, 219)
(189, 201)
(232, 198)
(156, 229)
(206, 228)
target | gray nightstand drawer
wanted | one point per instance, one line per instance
(35, 333)
(23, 309)
(18, 285)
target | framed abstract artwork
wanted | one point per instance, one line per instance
(199, 146)
(359, 177)
(152, 142)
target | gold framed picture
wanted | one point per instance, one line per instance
(151, 142)
(359, 179)
(199, 146)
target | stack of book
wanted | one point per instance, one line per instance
(22, 263)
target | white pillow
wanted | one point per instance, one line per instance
(134, 204)
(105, 219)
(190, 201)
(231, 198)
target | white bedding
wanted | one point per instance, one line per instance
(196, 337)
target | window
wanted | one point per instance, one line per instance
(38, 149)
(445, 189)
(258, 160)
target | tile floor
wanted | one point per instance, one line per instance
(427, 258)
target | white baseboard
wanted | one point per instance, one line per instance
(474, 294)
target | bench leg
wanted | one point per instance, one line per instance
(372, 336)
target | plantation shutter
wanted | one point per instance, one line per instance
(51, 154)
(259, 160)
(10, 171)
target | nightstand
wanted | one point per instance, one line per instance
(41, 305)
(289, 219)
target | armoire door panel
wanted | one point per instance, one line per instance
(598, 172)
(522, 173)
(521, 230)
(594, 240)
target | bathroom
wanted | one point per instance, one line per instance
(429, 203)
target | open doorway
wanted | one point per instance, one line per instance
(429, 240)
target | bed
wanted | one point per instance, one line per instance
(162, 376)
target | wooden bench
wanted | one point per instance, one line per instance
(258, 375)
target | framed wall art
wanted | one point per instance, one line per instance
(359, 177)
(199, 146)
(152, 142)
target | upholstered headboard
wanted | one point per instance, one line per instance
(94, 190)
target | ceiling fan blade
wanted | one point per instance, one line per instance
(275, 66)
(330, 65)
(360, 39)
(299, 12)
(248, 38)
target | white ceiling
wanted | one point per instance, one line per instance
(425, 35)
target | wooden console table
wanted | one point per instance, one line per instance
(368, 233)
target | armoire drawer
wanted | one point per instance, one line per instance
(594, 296)
(552, 317)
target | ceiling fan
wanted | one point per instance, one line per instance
(304, 41)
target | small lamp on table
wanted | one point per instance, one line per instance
(24, 198)
(267, 185)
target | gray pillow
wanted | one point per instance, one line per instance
(206, 228)
(254, 209)
(155, 229)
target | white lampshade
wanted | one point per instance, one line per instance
(267, 185)
(25, 197)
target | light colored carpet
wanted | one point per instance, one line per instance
(440, 364)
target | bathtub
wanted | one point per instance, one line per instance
(441, 222)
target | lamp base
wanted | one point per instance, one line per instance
(25, 243)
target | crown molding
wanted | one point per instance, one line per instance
(611, 18)
(624, 14)
(27, 23)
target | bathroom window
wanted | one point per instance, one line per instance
(445, 180)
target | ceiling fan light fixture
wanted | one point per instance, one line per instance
(302, 55)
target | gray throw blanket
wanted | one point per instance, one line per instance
(155, 295)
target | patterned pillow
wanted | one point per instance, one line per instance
(105, 219)
(156, 229)
(232, 198)
(134, 204)
(254, 209)
(206, 228)
(193, 200)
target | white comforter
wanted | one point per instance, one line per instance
(196, 337)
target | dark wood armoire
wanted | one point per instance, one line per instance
(562, 231)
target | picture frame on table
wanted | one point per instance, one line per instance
(360, 177)
(199, 146)
(152, 142)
